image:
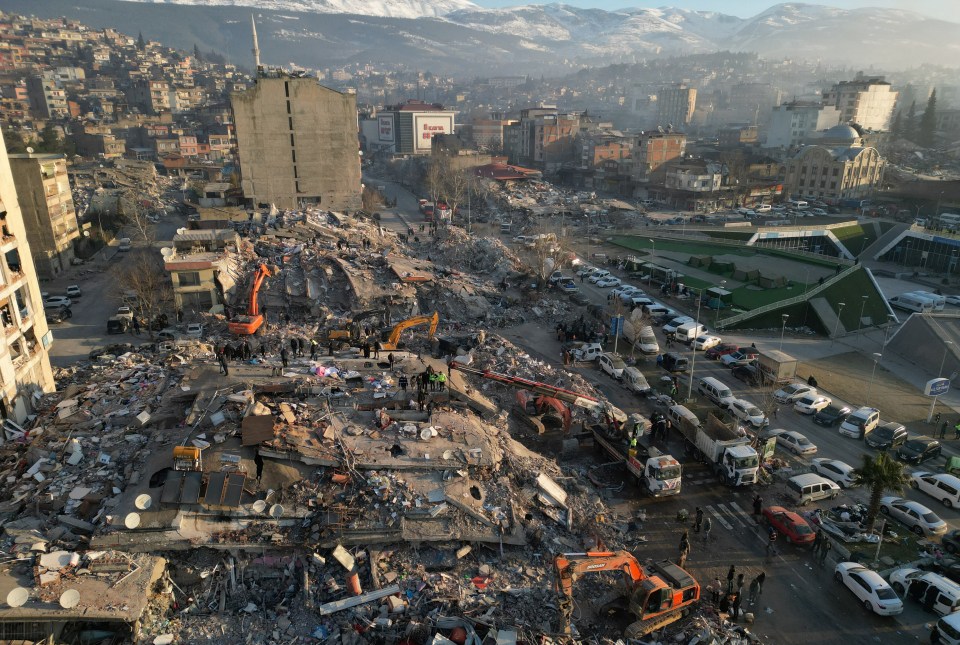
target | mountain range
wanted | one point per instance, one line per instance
(457, 37)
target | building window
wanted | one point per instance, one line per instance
(833, 185)
(836, 172)
(188, 278)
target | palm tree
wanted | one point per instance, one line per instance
(880, 474)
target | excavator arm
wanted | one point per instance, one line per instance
(248, 324)
(567, 396)
(400, 327)
(263, 272)
(567, 566)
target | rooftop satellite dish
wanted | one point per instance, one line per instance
(276, 511)
(18, 597)
(29, 151)
(167, 251)
(70, 599)
(132, 520)
(143, 502)
(259, 506)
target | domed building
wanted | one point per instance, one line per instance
(837, 167)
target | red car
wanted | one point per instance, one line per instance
(721, 350)
(793, 527)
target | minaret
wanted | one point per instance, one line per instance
(256, 46)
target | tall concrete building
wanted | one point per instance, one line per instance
(408, 128)
(652, 151)
(298, 144)
(675, 105)
(46, 203)
(839, 167)
(791, 124)
(24, 364)
(866, 101)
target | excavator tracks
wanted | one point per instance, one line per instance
(643, 627)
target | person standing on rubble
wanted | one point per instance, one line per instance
(313, 349)
(136, 326)
(391, 359)
(222, 359)
(293, 346)
(366, 350)
(756, 588)
(441, 381)
(403, 384)
(284, 357)
(684, 548)
(376, 349)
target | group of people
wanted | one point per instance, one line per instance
(730, 597)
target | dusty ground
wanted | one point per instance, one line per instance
(847, 376)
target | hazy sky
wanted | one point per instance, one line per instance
(946, 9)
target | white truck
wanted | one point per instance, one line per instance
(658, 474)
(728, 454)
(776, 366)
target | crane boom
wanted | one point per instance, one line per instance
(567, 396)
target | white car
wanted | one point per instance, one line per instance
(748, 413)
(839, 472)
(584, 271)
(811, 403)
(706, 341)
(872, 590)
(609, 281)
(194, 330)
(57, 301)
(671, 326)
(943, 487)
(952, 300)
(792, 392)
(624, 288)
(597, 276)
(612, 364)
(73, 291)
(917, 517)
(796, 443)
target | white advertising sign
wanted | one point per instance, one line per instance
(425, 127)
(385, 128)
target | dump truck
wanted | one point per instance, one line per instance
(776, 366)
(731, 456)
(658, 474)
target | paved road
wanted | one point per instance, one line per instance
(87, 329)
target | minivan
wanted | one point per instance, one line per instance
(943, 487)
(673, 362)
(681, 416)
(635, 381)
(939, 302)
(860, 423)
(124, 244)
(949, 628)
(911, 302)
(763, 208)
(908, 581)
(716, 391)
(800, 205)
(688, 331)
(810, 487)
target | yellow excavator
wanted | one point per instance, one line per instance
(393, 340)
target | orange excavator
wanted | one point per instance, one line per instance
(658, 593)
(247, 325)
(393, 341)
(542, 410)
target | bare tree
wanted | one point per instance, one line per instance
(549, 256)
(456, 183)
(134, 217)
(144, 274)
(435, 178)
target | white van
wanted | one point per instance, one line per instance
(943, 487)
(680, 415)
(811, 487)
(763, 208)
(939, 302)
(635, 381)
(800, 205)
(647, 341)
(910, 302)
(124, 244)
(687, 332)
(949, 628)
(716, 391)
(860, 423)
(907, 581)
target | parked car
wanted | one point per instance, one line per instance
(869, 588)
(739, 357)
(612, 364)
(73, 291)
(943, 487)
(194, 330)
(748, 413)
(170, 333)
(917, 517)
(839, 472)
(790, 525)
(832, 415)
(598, 275)
(908, 581)
(55, 316)
(796, 443)
(792, 392)
(951, 541)
(705, 341)
(57, 301)
(584, 271)
(578, 298)
(946, 567)
(917, 451)
(953, 300)
(749, 374)
(569, 287)
(811, 403)
(609, 281)
(887, 435)
(714, 353)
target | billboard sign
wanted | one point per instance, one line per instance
(385, 128)
(426, 126)
(937, 387)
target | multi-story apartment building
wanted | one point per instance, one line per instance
(150, 96)
(652, 150)
(841, 167)
(24, 336)
(47, 100)
(866, 101)
(676, 105)
(297, 144)
(791, 124)
(202, 269)
(46, 204)
(408, 128)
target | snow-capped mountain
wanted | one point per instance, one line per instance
(383, 8)
(457, 37)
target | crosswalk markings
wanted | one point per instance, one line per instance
(728, 516)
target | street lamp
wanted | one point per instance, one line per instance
(716, 318)
(693, 345)
(783, 329)
(886, 331)
(943, 360)
(877, 357)
(652, 253)
(836, 325)
(863, 306)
